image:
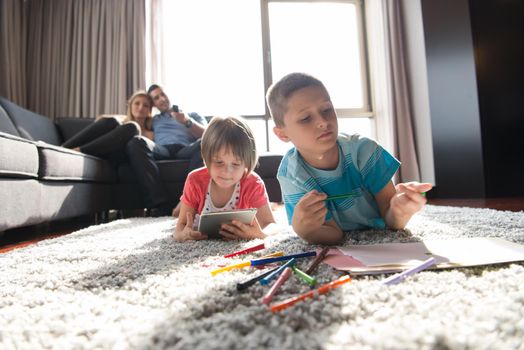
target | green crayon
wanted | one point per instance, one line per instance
(304, 276)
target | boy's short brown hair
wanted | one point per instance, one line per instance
(279, 93)
(234, 134)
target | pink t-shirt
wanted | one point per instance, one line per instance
(252, 190)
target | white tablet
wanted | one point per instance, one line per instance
(209, 223)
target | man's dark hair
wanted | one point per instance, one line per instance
(153, 87)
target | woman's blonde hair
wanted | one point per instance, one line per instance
(231, 133)
(129, 116)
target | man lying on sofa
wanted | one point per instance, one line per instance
(177, 136)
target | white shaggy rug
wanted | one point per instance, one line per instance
(126, 284)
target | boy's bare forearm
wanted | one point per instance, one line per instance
(396, 221)
(324, 234)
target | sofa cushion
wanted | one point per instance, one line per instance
(70, 126)
(6, 124)
(31, 125)
(126, 174)
(18, 157)
(21, 201)
(173, 170)
(268, 164)
(59, 163)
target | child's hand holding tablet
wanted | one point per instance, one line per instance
(211, 223)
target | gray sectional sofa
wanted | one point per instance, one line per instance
(42, 182)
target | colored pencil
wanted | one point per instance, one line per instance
(340, 196)
(320, 290)
(245, 251)
(318, 259)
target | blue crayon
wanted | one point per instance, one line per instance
(258, 262)
(277, 272)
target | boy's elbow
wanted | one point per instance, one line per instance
(322, 235)
(310, 239)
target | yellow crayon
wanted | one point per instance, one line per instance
(242, 264)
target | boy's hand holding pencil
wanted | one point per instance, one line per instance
(309, 220)
(310, 212)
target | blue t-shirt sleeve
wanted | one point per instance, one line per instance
(198, 118)
(377, 166)
(292, 190)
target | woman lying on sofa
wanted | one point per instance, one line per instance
(107, 137)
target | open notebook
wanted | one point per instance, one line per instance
(394, 257)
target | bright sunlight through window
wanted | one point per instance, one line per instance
(321, 39)
(214, 60)
(213, 54)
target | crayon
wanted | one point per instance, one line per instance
(340, 196)
(304, 276)
(246, 284)
(401, 276)
(245, 251)
(320, 290)
(277, 272)
(264, 261)
(280, 281)
(243, 264)
(318, 260)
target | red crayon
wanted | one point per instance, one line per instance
(245, 251)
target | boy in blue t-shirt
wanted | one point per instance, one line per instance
(324, 164)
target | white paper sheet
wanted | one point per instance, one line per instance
(448, 253)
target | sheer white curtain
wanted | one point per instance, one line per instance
(388, 70)
(154, 42)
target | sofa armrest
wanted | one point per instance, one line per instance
(70, 126)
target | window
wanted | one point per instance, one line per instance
(221, 56)
(213, 56)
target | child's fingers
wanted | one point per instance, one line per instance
(197, 236)
(238, 226)
(416, 186)
(313, 197)
(411, 198)
(232, 227)
(235, 229)
(228, 235)
(319, 213)
(311, 207)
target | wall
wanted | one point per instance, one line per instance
(498, 38)
(453, 101)
(474, 55)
